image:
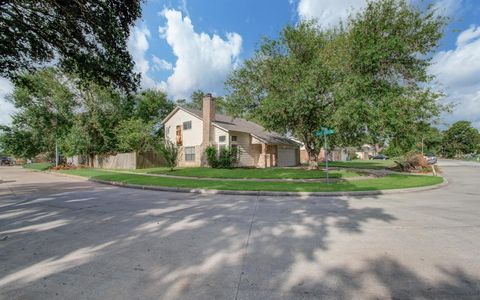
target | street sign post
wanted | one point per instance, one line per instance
(325, 132)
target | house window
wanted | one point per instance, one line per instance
(234, 138)
(222, 139)
(190, 153)
(187, 125)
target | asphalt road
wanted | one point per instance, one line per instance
(64, 238)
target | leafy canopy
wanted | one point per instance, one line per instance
(87, 37)
(83, 118)
(384, 59)
(44, 113)
(135, 135)
(367, 80)
(197, 101)
(461, 138)
(287, 85)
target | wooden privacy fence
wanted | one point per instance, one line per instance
(131, 160)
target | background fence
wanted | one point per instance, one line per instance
(131, 160)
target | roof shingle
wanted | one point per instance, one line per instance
(241, 125)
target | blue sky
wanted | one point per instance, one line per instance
(184, 45)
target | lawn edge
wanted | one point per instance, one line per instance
(444, 183)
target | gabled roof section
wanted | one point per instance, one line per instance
(177, 108)
(230, 123)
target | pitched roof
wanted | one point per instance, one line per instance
(230, 123)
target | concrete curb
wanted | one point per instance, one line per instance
(258, 193)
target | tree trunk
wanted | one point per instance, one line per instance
(312, 158)
(92, 157)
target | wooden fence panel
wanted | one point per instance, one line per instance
(131, 160)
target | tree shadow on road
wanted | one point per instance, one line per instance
(89, 240)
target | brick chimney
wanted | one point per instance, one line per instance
(208, 108)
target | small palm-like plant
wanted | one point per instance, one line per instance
(169, 152)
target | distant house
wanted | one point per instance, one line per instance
(194, 130)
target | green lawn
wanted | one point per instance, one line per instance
(361, 164)
(393, 181)
(268, 173)
(38, 166)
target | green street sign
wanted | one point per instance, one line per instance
(324, 131)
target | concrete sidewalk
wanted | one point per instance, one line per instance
(67, 238)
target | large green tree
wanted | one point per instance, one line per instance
(384, 59)
(44, 114)
(461, 138)
(287, 85)
(152, 106)
(367, 79)
(135, 135)
(83, 118)
(19, 142)
(98, 113)
(88, 37)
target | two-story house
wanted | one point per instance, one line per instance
(194, 130)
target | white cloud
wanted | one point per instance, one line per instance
(6, 108)
(138, 46)
(468, 35)
(329, 13)
(203, 60)
(458, 71)
(160, 64)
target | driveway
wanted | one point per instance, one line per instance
(64, 238)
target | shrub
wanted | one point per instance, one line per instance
(169, 152)
(211, 153)
(412, 162)
(226, 159)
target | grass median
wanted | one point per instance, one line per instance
(249, 173)
(38, 166)
(393, 181)
(361, 164)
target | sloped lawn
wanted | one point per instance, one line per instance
(393, 181)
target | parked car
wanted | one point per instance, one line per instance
(6, 161)
(430, 158)
(380, 156)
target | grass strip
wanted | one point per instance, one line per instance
(392, 181)
(38, 166)
(248, 173)
(361, 164)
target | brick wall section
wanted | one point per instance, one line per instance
(268, 156)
